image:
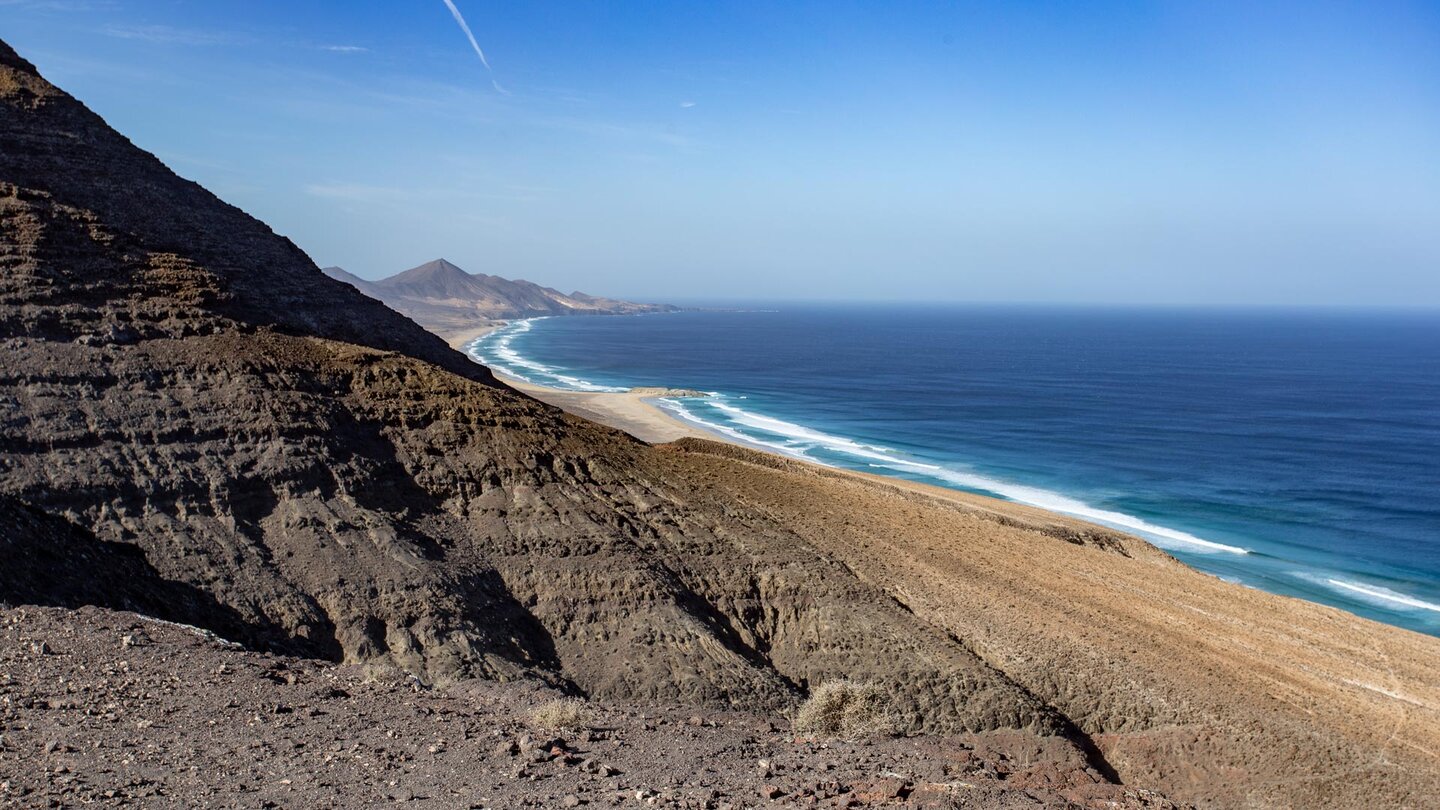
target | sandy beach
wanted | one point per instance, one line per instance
(631, 411)
(635, 413)
(460, 336)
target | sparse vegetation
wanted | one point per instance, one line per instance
(563, 714)
(846, 710)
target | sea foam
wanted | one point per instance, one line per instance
(797, 439)
(496, 350)
(1265, 561)
(800, 441)
(1374, 594)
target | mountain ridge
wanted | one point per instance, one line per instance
(446, 299)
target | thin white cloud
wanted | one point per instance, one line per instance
(687, 104)
(167, 34)
(344, 48)
(455, 12)
(460, 20)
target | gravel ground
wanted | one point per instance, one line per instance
(114, 709)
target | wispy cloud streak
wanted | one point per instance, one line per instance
(455, 12)
(460, 20)
(165, 34)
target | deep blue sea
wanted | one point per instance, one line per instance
(1298, 452)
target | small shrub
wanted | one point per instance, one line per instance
(562, 714)
(846, 710)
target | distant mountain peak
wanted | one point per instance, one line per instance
(446, 299)
(431, 269)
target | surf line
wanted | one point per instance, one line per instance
(495, 349)
(1385, 595)
(799, 441)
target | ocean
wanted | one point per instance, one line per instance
(1293, 451)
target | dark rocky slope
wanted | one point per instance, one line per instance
(196, 423)
(344, 486)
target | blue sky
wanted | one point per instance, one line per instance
(1245, 153)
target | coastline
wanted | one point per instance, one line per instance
(458, 338)
(635, 413)
(632, 411)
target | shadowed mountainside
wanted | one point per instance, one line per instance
(349, 498)
(194, 415)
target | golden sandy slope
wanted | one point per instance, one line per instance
(1189, 684)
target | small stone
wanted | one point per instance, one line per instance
(570, 800)
(695, 720)
(771, 792)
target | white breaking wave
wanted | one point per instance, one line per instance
(1055, 502)
(798, 438)
(495, 350)
(675, 407)
(801, 434)
(1374, 594)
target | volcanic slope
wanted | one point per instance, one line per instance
(275, 457)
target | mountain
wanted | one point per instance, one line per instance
(327, 479)
(198, 425)
(353, 280)
(445, 299)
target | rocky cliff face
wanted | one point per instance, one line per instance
(182, 381)
(196, 423)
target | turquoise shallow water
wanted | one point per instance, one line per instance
(1297, 452)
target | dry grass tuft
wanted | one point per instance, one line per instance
(563, 714)
(846, 710)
